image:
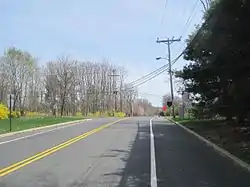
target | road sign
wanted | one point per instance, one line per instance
(164, 108)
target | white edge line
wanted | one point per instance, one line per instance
(221, 151)
(153, 177)
(43, 132)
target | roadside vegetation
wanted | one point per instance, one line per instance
(61, 90)
(35, 119)
(63, 87)
(227, 135)
(217, 76)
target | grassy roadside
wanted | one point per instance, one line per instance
(234, 139)
(19, 124)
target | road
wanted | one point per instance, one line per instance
(106, 152)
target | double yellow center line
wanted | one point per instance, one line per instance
(20, 164)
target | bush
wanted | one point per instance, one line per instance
(3, 111)
(119, 114)
(14, 114)
(106, 114)
(90, 115)
(97, 114)
(79, 114)
(33, 114)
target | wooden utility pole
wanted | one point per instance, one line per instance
(114, 89)
(169, 42)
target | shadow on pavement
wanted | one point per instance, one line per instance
(182, 160)
(137, 170)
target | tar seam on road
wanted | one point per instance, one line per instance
(9, 169)
(43, 132)
(152, 154)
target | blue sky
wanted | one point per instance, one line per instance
(123, 31)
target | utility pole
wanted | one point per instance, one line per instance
(114, 90)
(169, 42)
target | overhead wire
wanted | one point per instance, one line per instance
(151, 94)
(163, 68)
(144, 80)
(163, 15)
(149, 74)
(188, 22)
(190, 18)
(159, 73)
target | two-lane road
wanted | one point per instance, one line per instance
(107, 152)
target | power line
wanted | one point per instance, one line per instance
(169, 42)
(149, 74)
(188, 21)
(163, 15)
(177, 58)
(146, 80)
(159, 73)
(145, 93)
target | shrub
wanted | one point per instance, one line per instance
(97, 114)
(79, 114)
(3, 111)
(90, 115)
(119, 114)
(33, 114)
(14, 114)
(105, 114)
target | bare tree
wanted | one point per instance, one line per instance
(64, 85)
(18, 66)
(65, 80)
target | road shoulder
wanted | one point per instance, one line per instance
(217, 148)
(183, 160)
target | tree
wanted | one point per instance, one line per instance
(206, 4)
(18, 66)
(65, 85)
(213, 77)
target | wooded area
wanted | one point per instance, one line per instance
(218, 75)
(64, 86)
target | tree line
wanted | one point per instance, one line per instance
(63, 86)
(218, 75)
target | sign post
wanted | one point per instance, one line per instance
(10, 105)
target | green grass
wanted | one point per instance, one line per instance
(19, 124)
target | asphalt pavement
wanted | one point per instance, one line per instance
(182, 160)
(104, 152)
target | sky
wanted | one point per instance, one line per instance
(122, 31)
